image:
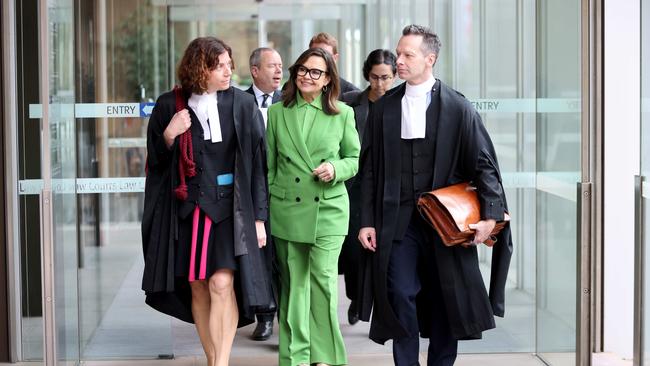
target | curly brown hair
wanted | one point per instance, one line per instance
(330, 94)
(200, 57)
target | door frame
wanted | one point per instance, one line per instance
(589, 292)
(10, 178)
(4, 329)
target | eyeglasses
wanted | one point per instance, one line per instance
(314, 74)
(374, 77)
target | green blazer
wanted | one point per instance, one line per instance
(299, 139)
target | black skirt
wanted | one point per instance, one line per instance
(204, 246)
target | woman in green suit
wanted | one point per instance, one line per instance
(313, 147)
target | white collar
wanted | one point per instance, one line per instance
(414, 109)
(205, 107)
(420, 89)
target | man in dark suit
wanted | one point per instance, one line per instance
(266, 69)
(327, 42)
(420, 136)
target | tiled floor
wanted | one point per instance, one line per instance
(115, 324)
(511, 359)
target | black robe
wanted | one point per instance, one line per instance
(165, 292)
(345, 87)
(349, 257)
(464, 152)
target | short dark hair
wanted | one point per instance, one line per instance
(430, 41)
(200, 57)
(378, 57)
(256, 56)
(327, 39)
(330, 95)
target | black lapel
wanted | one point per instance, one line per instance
(444, 137)
(236, 107)
(361, 112)
(277, 96)
(251, 92)
(392, 126)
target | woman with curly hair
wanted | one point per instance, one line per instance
(206, 201)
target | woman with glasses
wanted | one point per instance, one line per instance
(313, 148)
(379, 69)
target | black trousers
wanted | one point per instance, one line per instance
(412, 273)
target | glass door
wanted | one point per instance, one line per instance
(558, 130)
(527, 91)
(123, 62)
(47, 163)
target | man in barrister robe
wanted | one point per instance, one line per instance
(423, 135)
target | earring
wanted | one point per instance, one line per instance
(324, 88)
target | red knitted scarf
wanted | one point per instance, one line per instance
(186, 165)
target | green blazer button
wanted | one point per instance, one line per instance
(297, 199)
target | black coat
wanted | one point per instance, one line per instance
(165, 292)
(464, 152)
(358, 100)
(349, 257)
(346, 87)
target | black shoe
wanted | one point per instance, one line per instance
(263, 330)
(353, 314)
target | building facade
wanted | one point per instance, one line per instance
(538, 71)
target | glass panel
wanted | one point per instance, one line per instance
(125, 51)
(62, 157)
(500, 81)
(530, 105)
(645, 171)
(122, 57)
(558, 171)
(63, 169)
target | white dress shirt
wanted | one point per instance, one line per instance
(259, 96)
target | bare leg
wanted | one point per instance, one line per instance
(224, 314)
(201, 314)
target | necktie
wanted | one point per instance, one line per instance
(264, 101)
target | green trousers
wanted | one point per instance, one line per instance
(308, 320)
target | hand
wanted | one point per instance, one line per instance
(261, 233)
(368, 238)
(483, 229)
(179, 124)
(325, 172)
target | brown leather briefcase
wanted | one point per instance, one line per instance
(450, 210)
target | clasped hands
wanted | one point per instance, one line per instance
(325, 172)
(483, 228)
